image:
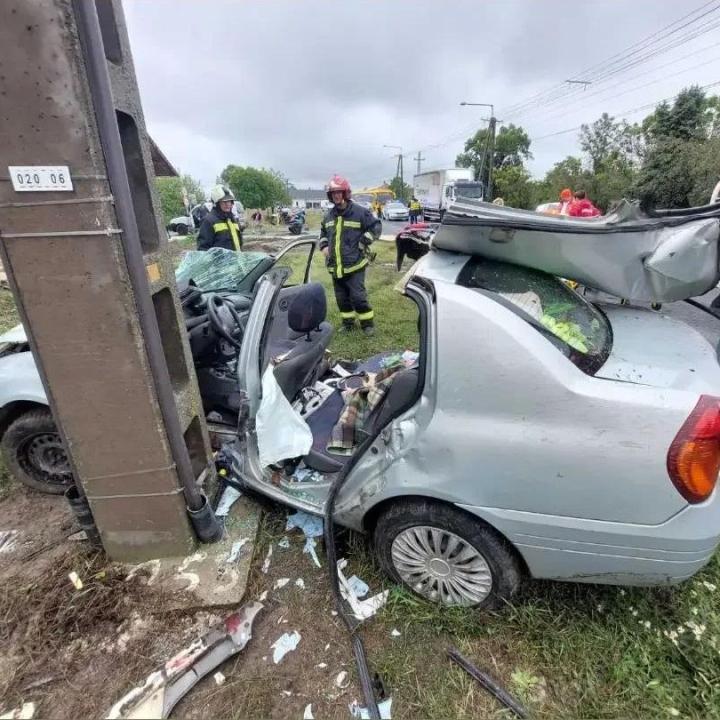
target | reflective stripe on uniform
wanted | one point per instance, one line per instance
(369, 236)
(348, 315)
(233, 228)
(338, 253)
(219, 227)
(329, 224)
(366, 316)
(353, 224)
(357, 266)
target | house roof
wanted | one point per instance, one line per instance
(308, 194)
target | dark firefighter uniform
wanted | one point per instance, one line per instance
(219, 229)
(347, 233)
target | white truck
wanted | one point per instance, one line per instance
(437, 189)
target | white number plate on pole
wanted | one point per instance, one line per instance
(40, 178)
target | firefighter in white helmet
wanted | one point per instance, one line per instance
(220, 228)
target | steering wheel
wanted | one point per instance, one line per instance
(225, 320)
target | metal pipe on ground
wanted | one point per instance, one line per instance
(206, 525)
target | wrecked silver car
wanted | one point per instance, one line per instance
(535, 433)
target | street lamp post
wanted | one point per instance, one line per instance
(491, 150)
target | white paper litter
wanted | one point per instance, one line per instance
(384, 708)
(228, 498)
(362, 609)
(281, 431)
(341, 371)
(219, 678)
(280, 583)
(266, 563)
(395, 633)
(234, 553)
(358, 586)
(322, 666)
(284, 644)
(309, 549)
(263, 596)
(284, 543)
(75, 580)
(26, 712)
(327, 647)
(308, 715)
(300, 583)
(343, 679)
(287, 693)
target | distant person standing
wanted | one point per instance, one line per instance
(415, 209)
(346, 232)
(582, 207)
(566, 197)
(220, 228)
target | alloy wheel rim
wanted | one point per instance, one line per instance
(441, 566)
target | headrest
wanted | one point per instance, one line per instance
(308, 308)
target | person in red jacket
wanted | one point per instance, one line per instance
(582, 207)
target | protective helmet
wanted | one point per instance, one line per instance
(338, 183)
(220, 192)
(566, 194)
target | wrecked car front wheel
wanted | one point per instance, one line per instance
(34, 453)
(445, 555)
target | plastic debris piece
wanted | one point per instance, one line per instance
(384, 708)
(300, 583)
(26, 712)
(77, 537)
(395, 632)
(308, 714)
(358, 586)
(234, 553)
(219, 678)
(284, 543)
(327, 647)
(280, 583)
(8, 540)
(410, 357)
(266, 563)
(322, 666)
(284, 644)
(362, 609)
(287, 693)
(343, 679)
(311, 525)
(309, 549)
(75, 580)
(263, 596)
(228, 498)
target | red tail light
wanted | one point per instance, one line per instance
(693, 460)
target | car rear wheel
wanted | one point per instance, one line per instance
(446, 555)
(34, 453)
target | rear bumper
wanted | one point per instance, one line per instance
(594, 551)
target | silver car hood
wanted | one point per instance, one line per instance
(650, 348)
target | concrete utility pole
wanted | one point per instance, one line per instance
(87, 259)
(490, 154)
(399, 169)
(419, 159)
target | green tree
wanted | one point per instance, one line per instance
(402, 191)
(512, 184)
(611, 145)
(512, 148)
(256, 187)
(170, 192)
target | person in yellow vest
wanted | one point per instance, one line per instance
(414, 210)
(220, 228)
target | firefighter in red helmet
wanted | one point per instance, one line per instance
(347, 231)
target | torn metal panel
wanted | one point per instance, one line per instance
(626, 253)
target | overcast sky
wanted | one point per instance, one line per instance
(313, 88)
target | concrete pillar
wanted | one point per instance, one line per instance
(66, 255)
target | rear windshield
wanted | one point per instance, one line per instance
(571, 323)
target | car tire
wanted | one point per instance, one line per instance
(406, 541)
(181, 229)
(34, 453)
